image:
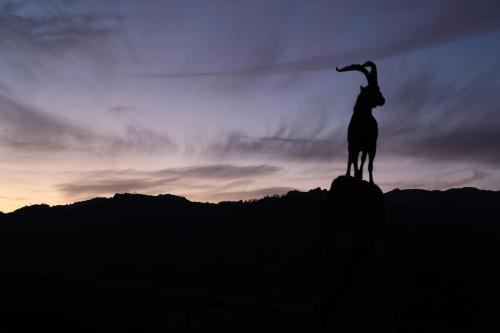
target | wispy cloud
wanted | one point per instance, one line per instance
(426, 117)
(306, 136)
(110, 186)
(51, 31)
(219, 171)
(207, 178)
(25, 128)
(439, 23)
(444, 120)
(119, 110)
(278, 147)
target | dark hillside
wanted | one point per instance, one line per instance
(443, 252)
(445, 255)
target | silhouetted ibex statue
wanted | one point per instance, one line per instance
(363, 129)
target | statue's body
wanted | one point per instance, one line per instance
(363, 129)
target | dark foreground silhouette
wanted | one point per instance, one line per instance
(362, 132)
(352, 273)
(135, 262)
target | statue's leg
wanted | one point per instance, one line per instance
(371, 157)
(349, 161)
(363, 158)
(355, 162)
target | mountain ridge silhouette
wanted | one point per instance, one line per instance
(167, 195)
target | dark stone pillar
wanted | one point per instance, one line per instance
(353, 290)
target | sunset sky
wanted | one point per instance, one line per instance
(232, 99)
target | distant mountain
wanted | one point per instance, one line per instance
(443, 248)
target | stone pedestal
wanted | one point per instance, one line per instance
(353, 290)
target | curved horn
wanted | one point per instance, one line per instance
(373, 72)
(355, 67)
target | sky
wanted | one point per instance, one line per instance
(234, 100)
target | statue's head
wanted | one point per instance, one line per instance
(370, 94)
